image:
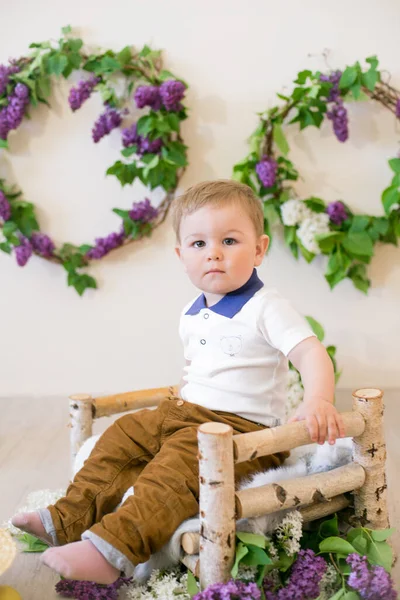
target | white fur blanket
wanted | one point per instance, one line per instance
(302, 461)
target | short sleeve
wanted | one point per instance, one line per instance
(281, 325)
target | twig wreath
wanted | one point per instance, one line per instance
(153, 150)
(311, 226)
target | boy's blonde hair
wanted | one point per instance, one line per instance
(218, 193)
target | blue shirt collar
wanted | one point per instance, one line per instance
(232, 302)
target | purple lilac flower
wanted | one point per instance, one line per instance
(5, 72)
(172, 92)
(339, 118)
(130, 136)
(232, 590)
(143, 211)
(266, 170)
(372, 584)
(5, 208)
(398, 108)
(82, 92)
(87, 590)
(42, 244)
(108, 121)
(104, 245)
(304, 580)
(337, 212)
(148, 95)
(23, 252)
(150, 146)
(144, 144)
(11, 115)
(337, 113)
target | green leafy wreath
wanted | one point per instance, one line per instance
(312, 226)
(153, 150)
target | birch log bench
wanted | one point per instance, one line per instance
(210, 554)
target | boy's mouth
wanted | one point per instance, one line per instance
(211, 271)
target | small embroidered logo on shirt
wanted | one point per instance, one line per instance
(231, 344)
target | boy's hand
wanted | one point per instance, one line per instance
(322, 418)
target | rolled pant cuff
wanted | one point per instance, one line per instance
(111, 554)
(48, 524)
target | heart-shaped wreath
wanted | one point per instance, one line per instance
(311, 225)
(153, 150)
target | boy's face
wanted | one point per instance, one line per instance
(219, 248)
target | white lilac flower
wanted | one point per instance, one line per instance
(168, 585)
(247, 573)
(394, 206)
(311, 226)
(329, 584)
(34, 501)
(292, 377)
(294, 212)
(289, 532)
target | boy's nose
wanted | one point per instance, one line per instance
(214, 254)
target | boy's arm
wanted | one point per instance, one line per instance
(315, 366)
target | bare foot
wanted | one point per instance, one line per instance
(31, 523)
(82, 561)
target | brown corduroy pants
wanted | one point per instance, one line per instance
(156, 451)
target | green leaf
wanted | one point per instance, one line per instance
(330, 527)
(43, 87)
(252, 538)
(129, 151)
(350, 595)
(256, 556)
(358, 243)
(360, 543)
(390, 196)
(192, 585)
(145, 125)
(380, 553)
(290, 234)
(327, 241)
(121, 213)
(339, 595)
(33, 544)
(66, 29)
(302, 77)
(241, 551)
(317, 328)
(280, 139)
(4, 247)
(370, 79)
(124, 56)
(381, 535)
(315, 204)
(373, 61)
(336, 277)
(108, 64)
(336, 544)
(56, 64)
(175, 154)
(309, 256)
(271, 214)
(353, 533)
(357, 274)
(3, 143)
(348, 77)
(394, 164)
(165, 75)
(359, 223)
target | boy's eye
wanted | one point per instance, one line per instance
(229, 241)
(199, 244)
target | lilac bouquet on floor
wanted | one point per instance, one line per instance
(87, 590)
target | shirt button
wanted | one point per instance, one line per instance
(206, 316)
(180, 403)
(202, 342)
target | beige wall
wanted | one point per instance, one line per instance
(234, 55)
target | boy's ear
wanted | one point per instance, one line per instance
(261, 248)
(178, 251)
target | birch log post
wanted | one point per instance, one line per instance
(369, 450)
(217, 503)
(81, 421)
(319, 487)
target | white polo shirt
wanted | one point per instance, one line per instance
(237, 351)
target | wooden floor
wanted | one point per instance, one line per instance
(34, 454)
